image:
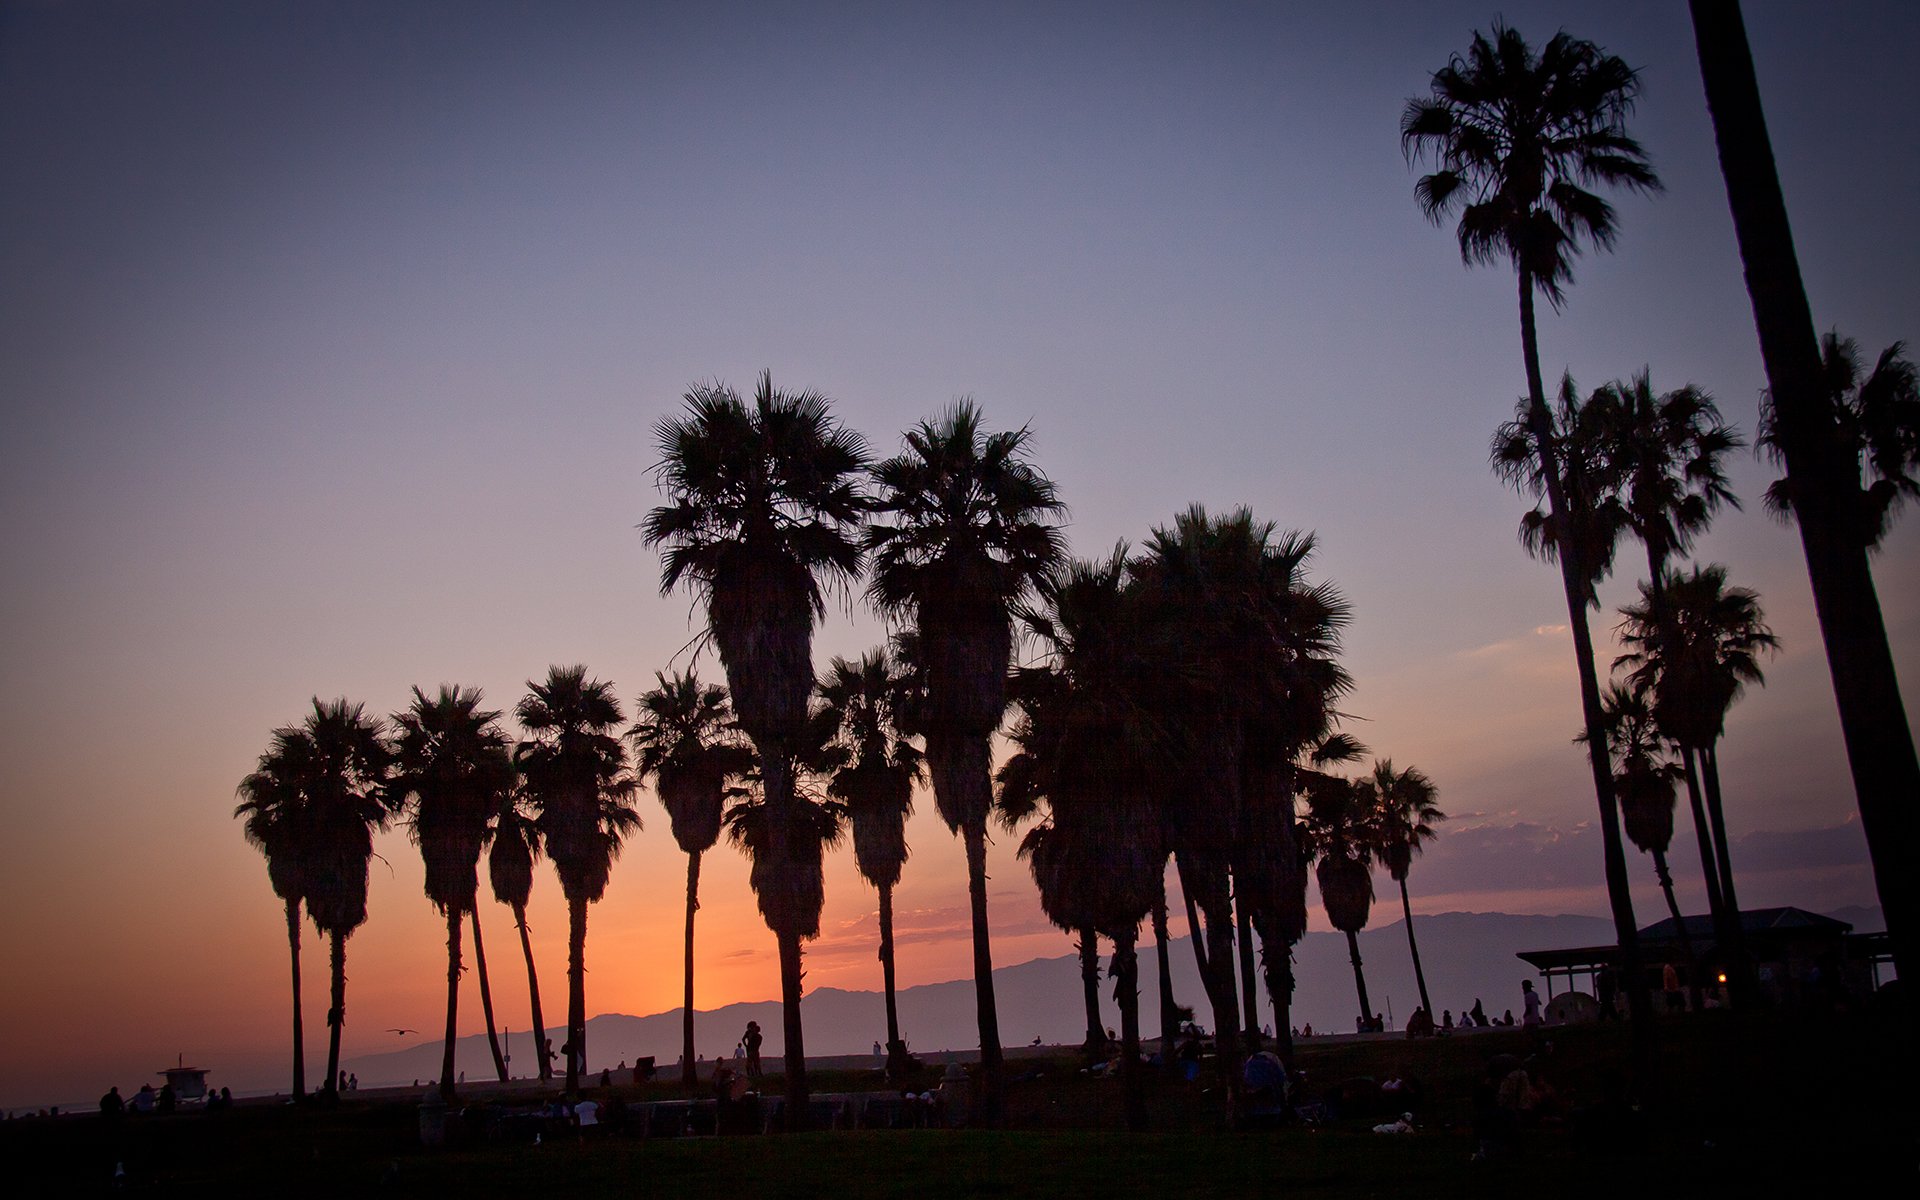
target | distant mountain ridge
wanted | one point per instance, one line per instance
(1467, 956)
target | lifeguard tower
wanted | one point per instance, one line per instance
(189, 1084)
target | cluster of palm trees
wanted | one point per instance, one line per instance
(1519, 138)
(1180, 705)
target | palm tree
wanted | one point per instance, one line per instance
(582, 796)
(763, 503)
(452, 762)
(346, 802)
(1646, 782)
(969, 528)
(683, 741)
(1824, 473)
(1876, 416)
(1694, 667)
(1342, 833)
(514, 848)
(1093, 750)
(273, 802)
(876, 768)
(1408, 814)
(1208, 587)
(1517, 138)
(1665, 453)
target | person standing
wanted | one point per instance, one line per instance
(1530, 1004)
(751, 1040)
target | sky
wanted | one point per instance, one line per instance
(333, 337)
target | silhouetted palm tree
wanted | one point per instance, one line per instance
(1665, 452)
(1093, 749)
(273, 801)
(1825, 476)
(968, 527)
(1517, 139)
(513, 849)
(577, 783)
(1343, 834)
(1408, 814)
(1646, 782)
(347, 802)
(452, 762)
(1875, 415)
(1694, 667)
(683, 740)
(873, 774)
(763, 503)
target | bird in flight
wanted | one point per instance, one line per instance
(403, 1032)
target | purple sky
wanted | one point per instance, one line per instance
(332, 337)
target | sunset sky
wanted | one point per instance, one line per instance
(333, 335)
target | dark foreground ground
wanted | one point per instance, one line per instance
(1769, 1105)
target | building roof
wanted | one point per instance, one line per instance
(1759, 923)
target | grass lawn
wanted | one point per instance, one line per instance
(1766, 1105)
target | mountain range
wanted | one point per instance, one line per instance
(1467, 956)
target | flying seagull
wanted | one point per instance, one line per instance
(403, 1032)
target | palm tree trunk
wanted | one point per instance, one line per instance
(1573, 584)
(1742, 984)
(576, 991)
(1169, 1022)
(453, 1004)
(1211, 896)
(299, 1034)
(540, 1038)
(1703, 834)
(1126, 992)
(689, 1075)
(886, 972)
(1413, 947)
(1359, 979)
(1194, 935)
(791, 975)
(777, 772)
(486, 996)
(337, 1014)
(1096, 1039)
(1873, 719)
(1276, 964)
(991, 1064)
(1679, 923)
(1249, 986)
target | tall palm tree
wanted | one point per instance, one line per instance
(453, 764)
(1207, 587)
(968, 525)
(1824, 472)
(1646, 780)
(511, 853)
(577, 783)
(1665, 452)
(1408, 813)
(1694, 667)
(1876, 416)
(1093, 749)
(273, 803)
(764, 503)
(1517, 137)
(683, 740)
(1343, 833)
(347, 802)
(873, 775)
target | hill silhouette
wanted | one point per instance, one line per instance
(1466, 955)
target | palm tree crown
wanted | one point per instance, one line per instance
(1516, 139)
(576, 777)
(1408, 814)
(1708, 654)
(452, 761)
(1876, 420)
(683, 741)
(763, 503)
